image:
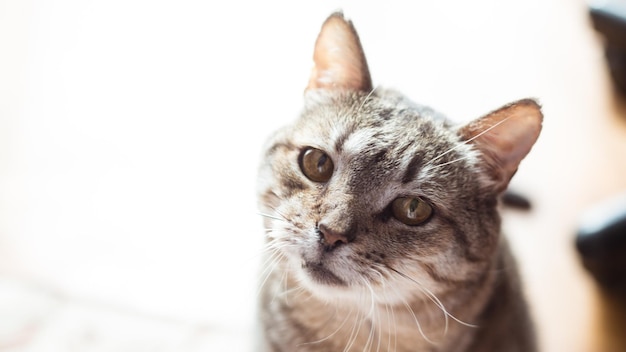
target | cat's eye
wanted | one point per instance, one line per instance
(411, 211)
(316, 165)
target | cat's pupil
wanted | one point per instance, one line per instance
(321, 163)
(414, 204)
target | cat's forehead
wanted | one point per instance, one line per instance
(354, 124)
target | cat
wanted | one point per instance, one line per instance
(381, 216)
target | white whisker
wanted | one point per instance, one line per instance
(419, 326)
(273, 260)
(371, 314)
(332, 334)
(366, 98)
(434, 299)
(429, 167)
(354, 332)
(271, 216)
(468, 141)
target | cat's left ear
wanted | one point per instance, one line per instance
(339, 59)
(504, 137)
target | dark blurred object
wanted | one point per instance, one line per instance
(601, 242)
(515, 200)
(609, 18)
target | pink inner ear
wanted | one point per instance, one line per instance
(339, 59)
(504, 137)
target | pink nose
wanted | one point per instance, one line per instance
(331, 237)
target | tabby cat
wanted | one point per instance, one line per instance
(382, 226)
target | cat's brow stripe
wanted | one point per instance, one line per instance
(380, 156)
(341, 140)
(413, 168)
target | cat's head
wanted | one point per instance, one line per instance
(368, 191)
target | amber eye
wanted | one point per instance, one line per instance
(411, 211)
(316, 165)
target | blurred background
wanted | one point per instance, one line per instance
(130, 134)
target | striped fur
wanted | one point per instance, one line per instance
(449, 284)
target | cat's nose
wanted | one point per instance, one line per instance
(333, 238)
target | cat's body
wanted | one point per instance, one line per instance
(383, 230)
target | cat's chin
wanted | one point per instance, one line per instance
(320, 275)
(321, 281)
(328, 286)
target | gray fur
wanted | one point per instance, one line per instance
(449, 284)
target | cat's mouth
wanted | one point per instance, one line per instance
(320, 274)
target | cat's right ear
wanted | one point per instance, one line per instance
(339, 59)
(504, 137)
